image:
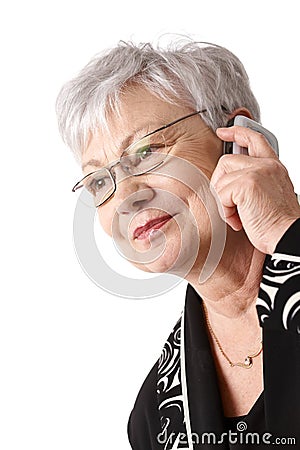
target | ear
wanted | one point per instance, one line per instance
(228, 146)
(240, 112)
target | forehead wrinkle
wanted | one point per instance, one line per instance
(135, 135)
(98, 153)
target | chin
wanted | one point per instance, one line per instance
(174, 260)
(163, 264)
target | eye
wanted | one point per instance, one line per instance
(145, 151)
(144, 155)
(97, 184)
(148, 149)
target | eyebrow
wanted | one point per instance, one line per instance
(97, 163)
(92, 162)
(123, 145)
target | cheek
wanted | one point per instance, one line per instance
(109, 221)
(105, 220)
(169, 185)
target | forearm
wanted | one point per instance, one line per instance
(278, 308)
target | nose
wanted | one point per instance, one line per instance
(132, 193)
(135, 200)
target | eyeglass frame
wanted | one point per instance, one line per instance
(76, 186)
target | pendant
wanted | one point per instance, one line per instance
(248, 362)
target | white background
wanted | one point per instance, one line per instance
(73, 357)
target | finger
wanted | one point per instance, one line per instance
(234, 222)
(256, 143)
(228, 208)
(227, 178)
(230, 215)
(232, 163)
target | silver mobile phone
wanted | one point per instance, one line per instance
(243, 121)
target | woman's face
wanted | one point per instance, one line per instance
(169, 199)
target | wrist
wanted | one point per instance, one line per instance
(280, 228)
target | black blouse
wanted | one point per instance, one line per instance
(179, 405)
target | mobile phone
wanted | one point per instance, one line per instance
(243, 121)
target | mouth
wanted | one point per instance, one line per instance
(154, 224)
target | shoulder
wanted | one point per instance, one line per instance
(278, 303)
(144, 422)
(147, 418)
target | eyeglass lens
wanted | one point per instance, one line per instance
(141, 157)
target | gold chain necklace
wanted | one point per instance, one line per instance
(248, 362)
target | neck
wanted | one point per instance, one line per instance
(230, 297)
(232, 289)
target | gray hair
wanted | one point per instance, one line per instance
(193, 74)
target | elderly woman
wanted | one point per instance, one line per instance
(148, 126)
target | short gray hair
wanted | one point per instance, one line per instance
(199, 75)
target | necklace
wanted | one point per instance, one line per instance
(248, 362)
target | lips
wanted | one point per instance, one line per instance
(154, 224)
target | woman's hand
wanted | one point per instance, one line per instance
(255, 191)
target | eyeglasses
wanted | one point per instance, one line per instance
(141, 157)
